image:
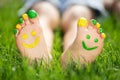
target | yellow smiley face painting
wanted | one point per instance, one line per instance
(35, 42)
(29, 38)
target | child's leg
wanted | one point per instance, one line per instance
(34, 35)
(50, 12)
(49, 20)
(108, 3)
(69, 22)
(112, 5)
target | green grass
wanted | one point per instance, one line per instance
(14, 67)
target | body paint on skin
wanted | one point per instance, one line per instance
(86, 48)
(32, 45)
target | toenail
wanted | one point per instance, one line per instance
(32, 14)
(100, 30)
(103, 35)
(20, 20)
(18, 26)
(15, 31)
(82, 22)
(25, 16)
(94, 21)
(98, 25)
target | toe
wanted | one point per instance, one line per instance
(95, 23)
(33, 16)
(26, 19)
(103, 35)
(98, 28)
(82, 22)
(21, 21)
(18, 27)
(15, 31)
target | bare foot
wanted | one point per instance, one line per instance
(87, 45)
(29, 38)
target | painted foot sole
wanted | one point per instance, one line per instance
(88, 43)
(29, 38)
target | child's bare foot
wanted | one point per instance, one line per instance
(88, 43)
(29, 38)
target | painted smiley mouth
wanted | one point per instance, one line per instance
(86, 48)
(32, 45)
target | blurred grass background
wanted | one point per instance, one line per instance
(14, 67)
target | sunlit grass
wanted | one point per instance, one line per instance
(14, 67)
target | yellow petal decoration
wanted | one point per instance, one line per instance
(82, 22)
(98, 25)
(25, 16)
(103, 35)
